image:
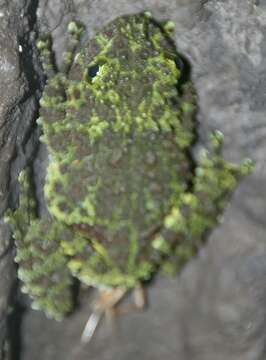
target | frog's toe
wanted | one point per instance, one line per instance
(108, 304)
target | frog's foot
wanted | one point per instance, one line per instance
(75, 31)
(138, 304)
(44, 45)
(107, 304)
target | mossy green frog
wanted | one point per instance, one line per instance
(125, 197)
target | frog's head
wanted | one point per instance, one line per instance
(130, 66)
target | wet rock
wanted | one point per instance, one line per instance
(18, 105)
(216, 308)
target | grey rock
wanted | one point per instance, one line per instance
(18, 105)
(6, 280)
(215, 309)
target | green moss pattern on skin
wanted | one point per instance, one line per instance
(124, 196)
(42, 261)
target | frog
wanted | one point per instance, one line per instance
(126, 198)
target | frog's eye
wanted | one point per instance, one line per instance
(93, 71)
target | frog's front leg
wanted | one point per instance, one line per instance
(42, 263)
(54, 99)
(44, 44)
(75, 31)
(54, 94)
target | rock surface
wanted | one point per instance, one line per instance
(215, 309)
(18, 105)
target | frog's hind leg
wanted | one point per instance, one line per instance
(21, 219)
(215, 180)
(43, 268)
(42, 264)
(198, 211)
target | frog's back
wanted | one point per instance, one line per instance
(119, 154)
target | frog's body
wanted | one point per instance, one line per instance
(123, 196)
